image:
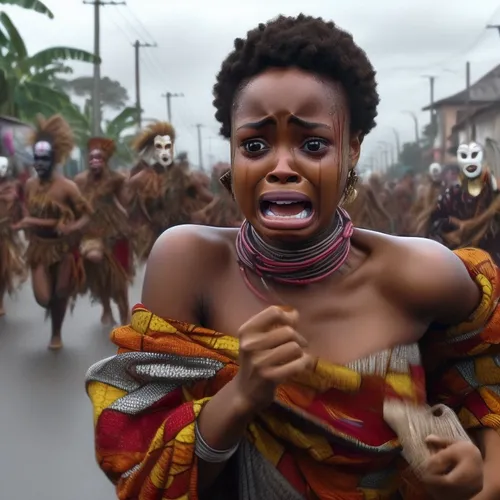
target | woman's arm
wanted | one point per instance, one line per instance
(182, 257)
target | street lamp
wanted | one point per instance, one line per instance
(385, 151)
(415, 121)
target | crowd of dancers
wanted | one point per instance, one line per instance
(87, 235)
(458, 206)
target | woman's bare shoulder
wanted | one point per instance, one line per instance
(424, 275)
(183, 264)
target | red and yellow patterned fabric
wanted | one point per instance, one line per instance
(325, 433)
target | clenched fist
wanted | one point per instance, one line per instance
(454, 471)
(271, 352)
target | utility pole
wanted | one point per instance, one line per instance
(200, 150)
(96, 91)
(432, 79)
(168, 96)
(433, 125)
(388, 150)
(210, 155)
(138, 45)
(467, 103)
(398, 143)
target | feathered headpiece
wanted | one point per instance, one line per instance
(56, 131)
(107, 146)
(147, 136)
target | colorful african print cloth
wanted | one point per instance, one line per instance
(323, 438)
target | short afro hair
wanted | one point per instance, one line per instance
(304, 42)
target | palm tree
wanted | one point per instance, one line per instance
(26, 80)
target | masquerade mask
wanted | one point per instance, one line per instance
(4, 166)
(435, 171)
(470, 158)
(43, 156)
(163, 152)
(96, 159)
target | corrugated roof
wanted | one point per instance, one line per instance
(485, 90)
(484, 109)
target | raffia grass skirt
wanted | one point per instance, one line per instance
(13, 270)
(108, 278)
(49, 252)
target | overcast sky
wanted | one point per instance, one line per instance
(428, 37)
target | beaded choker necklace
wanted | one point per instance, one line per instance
(294, 266)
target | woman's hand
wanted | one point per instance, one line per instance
(454, 471)
(271, 352)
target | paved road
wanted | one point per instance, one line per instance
(46, 437)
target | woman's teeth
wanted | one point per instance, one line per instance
(287, 210)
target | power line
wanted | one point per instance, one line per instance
(137, 33)
(200, 150)
(463, 52)
(146, 31)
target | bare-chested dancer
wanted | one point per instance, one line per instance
(105, 246)
(56, 213)
(12, 267)
(163, 193)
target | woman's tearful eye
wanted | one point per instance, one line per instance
(255, 147)
(314, 146)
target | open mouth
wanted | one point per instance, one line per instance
(286, 209)
(471, 169)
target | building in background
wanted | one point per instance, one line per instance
(451, 115)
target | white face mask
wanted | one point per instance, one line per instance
(435, 171)
(470, 158)
(4, 166)
(163, 150)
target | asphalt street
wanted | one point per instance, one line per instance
(46, 433)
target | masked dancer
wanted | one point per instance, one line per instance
(56, 214)
(427, 195)
(468, 213)
(12, 267)
(105, 246)
(281, 360)
(163, 193)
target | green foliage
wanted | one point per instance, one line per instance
(113, 94)
(33, 84)
(27, 80)
(34, 5)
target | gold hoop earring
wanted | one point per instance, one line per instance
(350, 191)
